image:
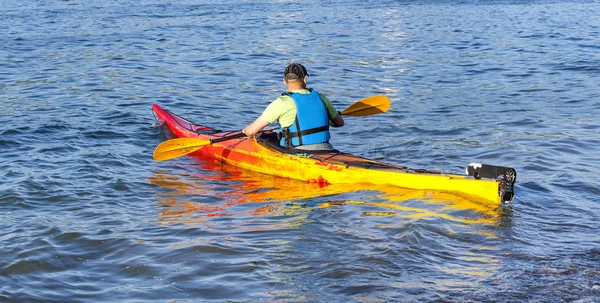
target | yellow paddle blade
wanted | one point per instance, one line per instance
(369, 106)
(174, 148)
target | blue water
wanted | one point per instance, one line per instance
(86, 215)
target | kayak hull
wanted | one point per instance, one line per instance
(261, 154)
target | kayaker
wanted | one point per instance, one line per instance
(304, 115)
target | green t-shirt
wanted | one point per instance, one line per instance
(283, 109)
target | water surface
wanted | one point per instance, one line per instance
(87, 216)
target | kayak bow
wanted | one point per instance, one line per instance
(263, 154)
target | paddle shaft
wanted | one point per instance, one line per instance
(225, 138)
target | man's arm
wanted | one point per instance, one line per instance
(255, 126)
(338, 121)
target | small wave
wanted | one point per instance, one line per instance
(587, 66)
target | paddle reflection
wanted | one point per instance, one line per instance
(218, 190)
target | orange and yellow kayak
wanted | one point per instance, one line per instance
(263, 154)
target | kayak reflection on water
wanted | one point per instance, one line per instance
(220, 190)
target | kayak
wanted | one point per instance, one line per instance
(264, 155)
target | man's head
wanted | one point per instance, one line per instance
(295, 72)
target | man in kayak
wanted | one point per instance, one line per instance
(304, 115)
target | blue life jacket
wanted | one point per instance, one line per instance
(312, 121)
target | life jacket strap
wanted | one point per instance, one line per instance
(289, 136)
(309, 131)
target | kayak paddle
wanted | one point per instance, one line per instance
(178, 147)
(369, 106)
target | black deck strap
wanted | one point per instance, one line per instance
(191, 125)
(337, 153)
(330, 157)
(422, 171)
